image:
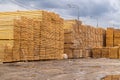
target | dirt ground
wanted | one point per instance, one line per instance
(74, 69)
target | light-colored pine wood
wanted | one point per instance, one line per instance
(97, 52)
(36, 35)
(105, 52)
(82, 37)
(113, 52)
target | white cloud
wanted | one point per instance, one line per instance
(107, 11)
(10, 7)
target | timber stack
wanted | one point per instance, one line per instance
(111, 77)
(31, 35)
(112, 49)
(80, 39)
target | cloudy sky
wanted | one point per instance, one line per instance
(105, 12)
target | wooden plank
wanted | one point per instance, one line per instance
(109, 37)
(96, 52)
(32, 31)
(109, 77)
(115, 77)
(113, 52)
(105, 52)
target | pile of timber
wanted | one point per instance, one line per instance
(31, 35)
(111, 77)
(106, 52)
(112, 49)
(79, 39)
(112, 37)
(116, 37)
(109, 37)
(71, 44)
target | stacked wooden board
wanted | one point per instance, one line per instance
(106, 52)
(111, 77)
(112, 49)
(81, 38)
(116, 37)
(71, 38)
(114, 53)
(110, 37)
(97, 52)
(24, 37)
(31, 35)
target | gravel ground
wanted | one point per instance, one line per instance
(73, 69)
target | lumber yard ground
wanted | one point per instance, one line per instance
(73, 69)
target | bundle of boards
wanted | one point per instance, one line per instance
(112, 77)
(106, 52)
(112, 37)
(79, 39)
(112, 48)
(31, 35)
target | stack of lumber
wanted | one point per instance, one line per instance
(8, 53)
(71, 38)
(81, 38)
(101, 36)
(91, 37)
(106, 52)
(112, 37)
(114, 52)
(31, 35)
(109, 37)
(23, 37)
(96, 52)
(116, 37)
(6, 38)
(52, 38)
(111, 77)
